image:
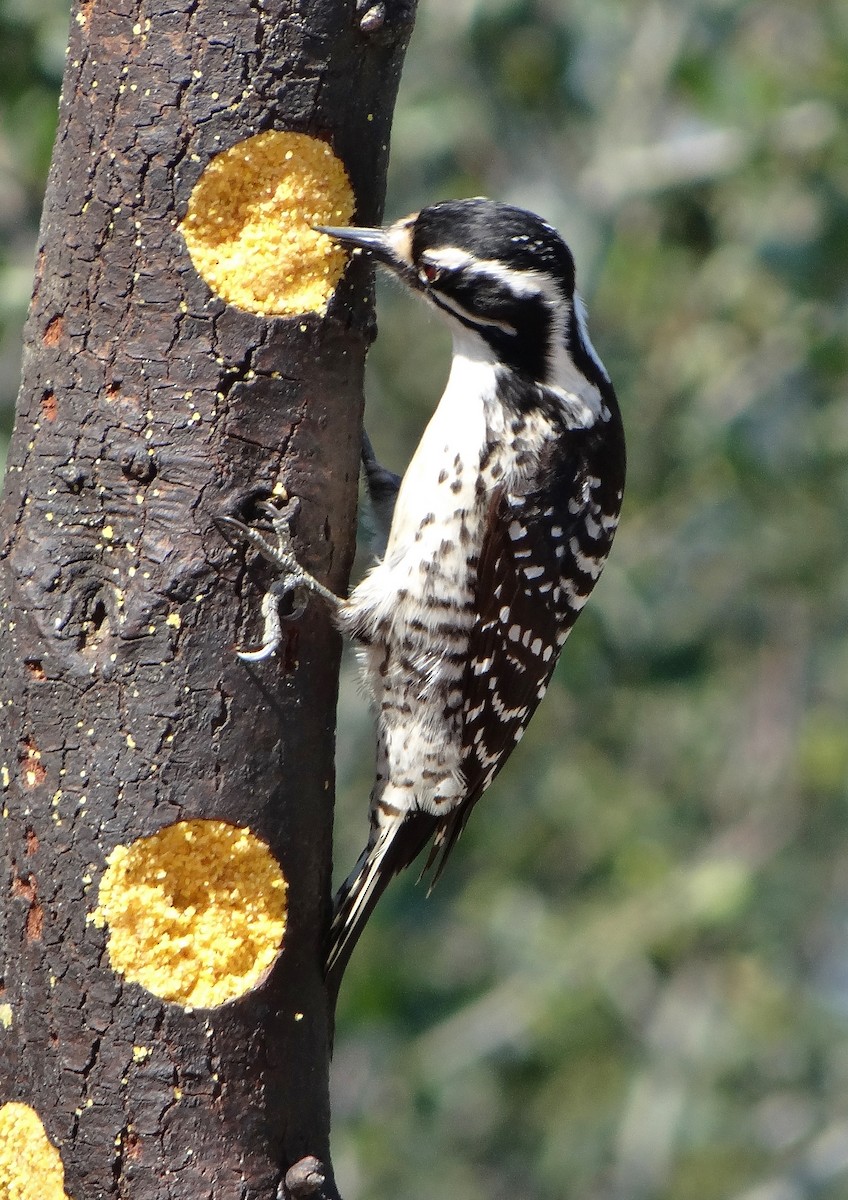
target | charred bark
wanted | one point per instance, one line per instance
(149, 407)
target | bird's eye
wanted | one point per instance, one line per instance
(429, 273)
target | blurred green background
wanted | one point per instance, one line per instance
(632, 982)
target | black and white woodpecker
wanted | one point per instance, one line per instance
(499, 531)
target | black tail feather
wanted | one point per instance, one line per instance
(449, 830)
(389, 851)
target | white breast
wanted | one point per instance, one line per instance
(438, 487)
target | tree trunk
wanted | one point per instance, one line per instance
(150, 405)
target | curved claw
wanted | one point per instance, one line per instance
(294, 582)
(272, 620)
(272, 630)
(259, 655)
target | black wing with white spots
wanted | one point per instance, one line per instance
(541, 556)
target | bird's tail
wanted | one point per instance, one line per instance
(391, 848)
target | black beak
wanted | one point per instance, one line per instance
(374, 240)
(377, 242)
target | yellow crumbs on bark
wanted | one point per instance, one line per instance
(30, 1167)
(196, 913)
(248, 223)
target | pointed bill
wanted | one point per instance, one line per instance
(390, 246)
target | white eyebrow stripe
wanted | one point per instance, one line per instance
(451, 258)
(521, 283)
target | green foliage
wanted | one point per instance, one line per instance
(632, 982)
(32, 43)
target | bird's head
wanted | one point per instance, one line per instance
(490, 269)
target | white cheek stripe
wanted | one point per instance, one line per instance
(472, 318)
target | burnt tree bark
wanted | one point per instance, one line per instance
(149, 406)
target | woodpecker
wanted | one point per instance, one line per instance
(498, 531)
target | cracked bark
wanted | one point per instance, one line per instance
(148, 407)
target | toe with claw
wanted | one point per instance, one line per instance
(293, 583)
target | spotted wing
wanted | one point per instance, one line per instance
(542, 553)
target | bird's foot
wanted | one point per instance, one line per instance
(287, 597)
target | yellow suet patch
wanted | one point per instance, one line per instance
(30, 1167)
(196, 913)
(248, 224)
